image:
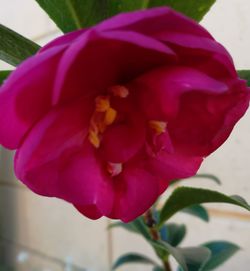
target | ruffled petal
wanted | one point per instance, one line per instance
(159, 91)
(153, 21)
(204, 121)
(49, 145)
(172, 166)
(85, 183)
(122, 141)
(66, 39)
(136, 190)
(97, 61)
(26, 96)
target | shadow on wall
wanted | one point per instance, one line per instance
(14, 255)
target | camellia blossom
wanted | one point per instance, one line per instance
(106, 117)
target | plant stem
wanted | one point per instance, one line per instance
(150, 222)
(167, 266)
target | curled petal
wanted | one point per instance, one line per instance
(94, 62)
(136, 190)
(153, 21)
(26, 96)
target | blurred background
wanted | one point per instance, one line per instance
(43, 234)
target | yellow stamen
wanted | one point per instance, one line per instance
(119, 91)
(94, 139)
(110, 116)
(158, 126)
(102, 104)
(114, 169)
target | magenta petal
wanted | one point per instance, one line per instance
(95, 62)
(49, 145)
(159, 91)
(26, 96)
(173, 166)
(84, 183)
(66, 40)
(136, 191)
(90, 211)
(152, 22)
(205, 121)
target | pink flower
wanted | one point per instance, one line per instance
(106, 117)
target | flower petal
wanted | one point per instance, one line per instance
(26, 96)
(153, 21)
(49, 145)
(97, 61)
(205, 121)
(136, 190)
(159, 91)
(65, 39)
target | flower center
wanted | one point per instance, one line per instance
(104, 115)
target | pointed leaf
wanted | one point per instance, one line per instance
(70, 15)
(173, 233)
(15, 48)
(184, 197)
(190, 259)
(198, 211)
(221, 252)
(195, 9)
(127, 226)
(130, 258)
(245, 74)
(208, 176)
(3, 76)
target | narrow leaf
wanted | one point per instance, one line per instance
(208, 176)
(3, 76)
(198, 211)
(173, 233)
(221, 252)
(190, 259)
(70, 15)
(195, 9)
(184, 197)
(130, 258)
(15, 48)
(196, 257)
(245, 74)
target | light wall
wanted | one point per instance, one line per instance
(54, 233)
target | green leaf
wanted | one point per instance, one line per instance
(158, 268)
(245, 74)
(70, 15)
(3, 76)
(173, 233)
(198, 211)
(15, 48)
(184, 197)
(195, 9)
(208, 176)
(132, 258)
(141, 227)
(221, 252)
(190, 259)
(127, 226)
